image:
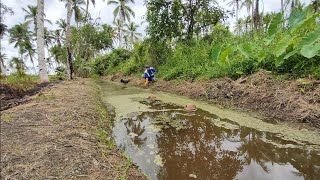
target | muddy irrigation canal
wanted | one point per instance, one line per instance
(166, 142)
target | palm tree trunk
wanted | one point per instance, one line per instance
(252, 14)
(237, 13)
(69, 57)
(282, 8)
(40, 42)
(2, 68)
(256, 15)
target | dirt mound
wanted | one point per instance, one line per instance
(294, 101)
(62, 133)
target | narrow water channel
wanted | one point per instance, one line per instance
(166, 142)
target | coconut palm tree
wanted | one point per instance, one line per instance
(68, 45)
(4, 10)
(292, 3)
(19, 34)
(126, 42)
(235, 3)
(19, 65)
(29, 52)
(3, 57)
(87, 6)
(40, 42)
(118, 30)
(123, 11)
(132, 33)
(31, 16)
(62, 24)
(249, 5)
(76, 9)
(239, 25)
(256, 15)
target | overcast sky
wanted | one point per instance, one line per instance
(54, 10)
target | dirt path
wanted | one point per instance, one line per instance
(62, 133)
(291, 101)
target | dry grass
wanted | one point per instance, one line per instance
(63, 133)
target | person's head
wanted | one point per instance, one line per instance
(147, 67)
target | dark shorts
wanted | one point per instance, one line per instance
(150, 78)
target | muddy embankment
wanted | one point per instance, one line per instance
(64, 132)
(11, 96)
(292, 101)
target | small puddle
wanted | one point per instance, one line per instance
(166, 142)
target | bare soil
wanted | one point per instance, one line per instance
(284, 100)
(63, 132)
(11, 96)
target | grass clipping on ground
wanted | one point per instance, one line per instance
(62, 133)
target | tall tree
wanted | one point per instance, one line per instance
(31, 16)
(19, 35)
(256, 17)
(4, 10)
(118, 29)
(68, 45)
(122, 10)
(40, 42)
(292, 4)
(181, 18)
(87, 6)
(19, 65)
(249, 5)
(235, 3)
(123, 13)
(132, 33)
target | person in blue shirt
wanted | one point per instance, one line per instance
(149, 75)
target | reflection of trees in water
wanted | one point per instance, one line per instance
(253, 148)
(197, 150)
(135, 127)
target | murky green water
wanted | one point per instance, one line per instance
(168, 143)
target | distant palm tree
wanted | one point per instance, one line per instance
(292, 3)
(132, 33)
(19, 35)
(31, 16)
(76, 9)
(118, 30)
(235, 3)
(122, 10)
(62, 24)
(48, 38)
(249, 5)
(256, 15)
(126, 42)
(239, 26)
(30, 52)
(87, 6)
(19, 65)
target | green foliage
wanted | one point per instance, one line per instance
(181, 19)
(290, 50)
(20, 82)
